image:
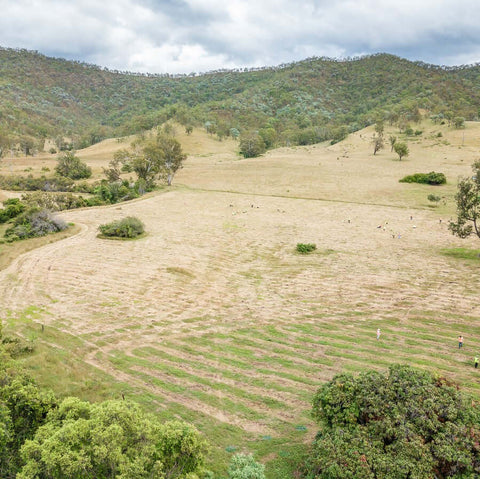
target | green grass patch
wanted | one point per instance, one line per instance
(462, 253)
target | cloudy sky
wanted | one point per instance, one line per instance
(183, 36)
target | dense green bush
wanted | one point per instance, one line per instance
(306, 248)
(113, 192)
(243, 466)
(431, 178)
(70, 166)
(251, 145)
(34, 222)
(12, 208)
(402, 424)
(129, 227)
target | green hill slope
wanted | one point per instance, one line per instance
(302, 102)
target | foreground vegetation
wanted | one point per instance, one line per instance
(401, 424)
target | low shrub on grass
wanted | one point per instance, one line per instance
(431, 178)
(305, 248)
(130, 227)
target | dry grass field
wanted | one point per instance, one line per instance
(213, 317)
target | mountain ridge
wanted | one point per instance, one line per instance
(303, 102)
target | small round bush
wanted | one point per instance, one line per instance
(305, 248)
(130, 227)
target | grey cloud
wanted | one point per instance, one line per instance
(199, 35)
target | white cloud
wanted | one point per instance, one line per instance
(200, 35)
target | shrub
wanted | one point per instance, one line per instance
(54, 201)
(129, 227)
(116, 191)
(29, 183)
(431, 178)
(32, 223)
(243, 466)
(13, 208)
(305, 248)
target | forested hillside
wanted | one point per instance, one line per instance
(299, 103)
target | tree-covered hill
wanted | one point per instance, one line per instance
(299, 103)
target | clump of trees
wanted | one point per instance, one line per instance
(402, 424)
(129, 227)
(431, 178)
(468, 205)
(153, 158)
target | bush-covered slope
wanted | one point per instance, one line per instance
(303, 102)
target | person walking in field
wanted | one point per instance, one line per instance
(475, 361)
(378, 334)
(460, 342)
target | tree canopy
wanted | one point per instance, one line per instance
(401, 149)
(406, 423)
(152, 158)
(71, 166)
(468, 205)
(112, 439)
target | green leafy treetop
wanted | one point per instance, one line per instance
(152, 158)
(468, 205)
(401, 149)
(113, 439)
(71, 166)
(403, 424)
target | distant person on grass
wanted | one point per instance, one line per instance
(460, 342)
(378, 334)
(476, 362)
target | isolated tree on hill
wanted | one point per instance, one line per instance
(377, 143)
(172, 156)
(459, 122)
(404, 424)
(468, 205)
(401, 149)
(392, 140)
(70, 166)
(379, 128)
